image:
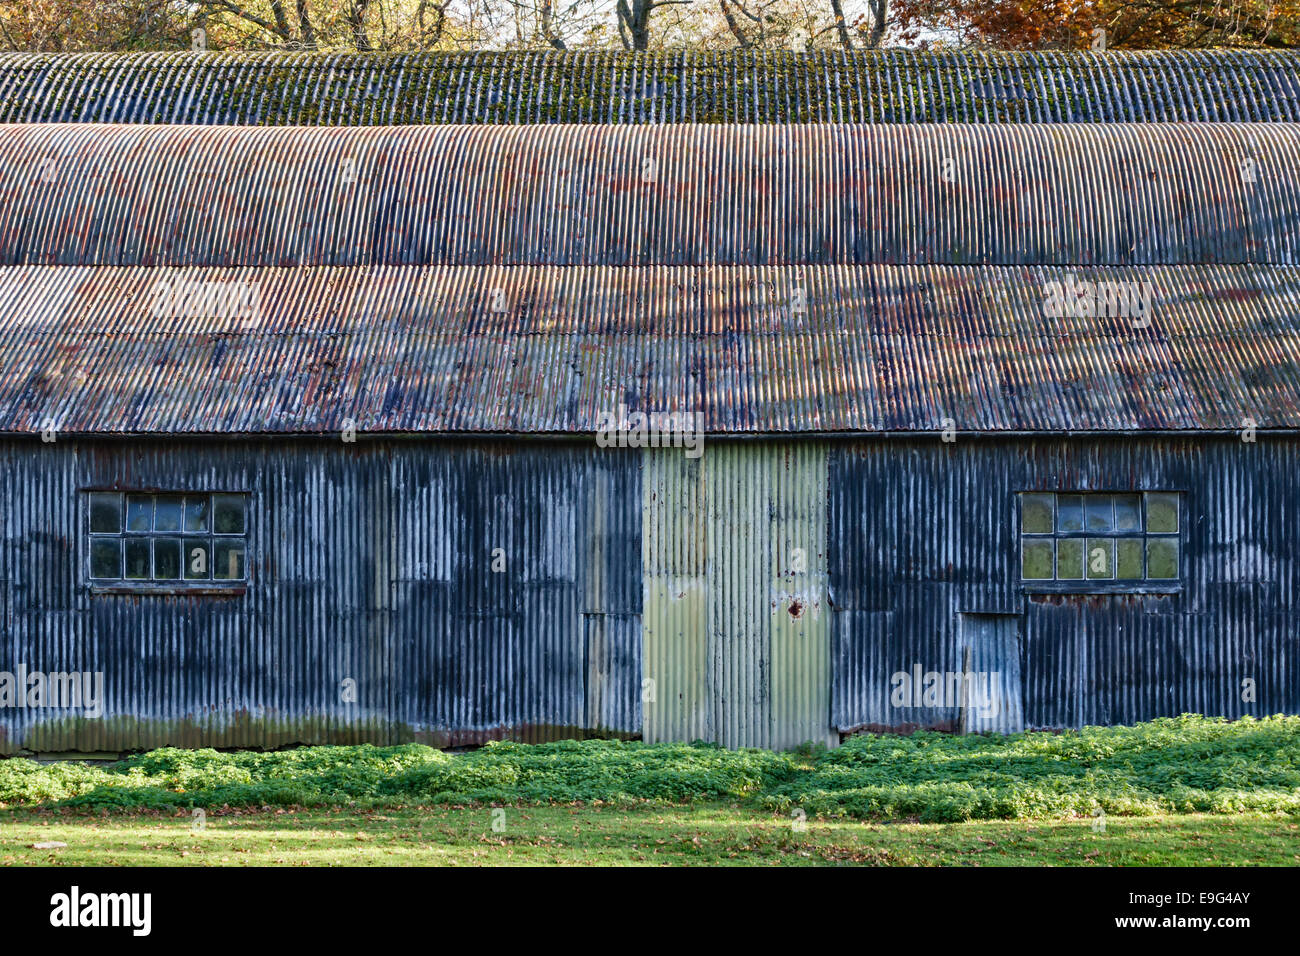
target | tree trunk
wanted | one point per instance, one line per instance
(879, 16)
(841, 24)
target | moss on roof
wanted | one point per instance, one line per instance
(895, 86)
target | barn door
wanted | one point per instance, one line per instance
(988, 655)
(612, 680)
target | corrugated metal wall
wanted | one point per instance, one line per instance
(369, 562)
(925, 534)
(373, 562)
(736, 622)
(766, 86)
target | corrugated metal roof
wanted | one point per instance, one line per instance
(896, 86)
(680, 195)
(421, 349)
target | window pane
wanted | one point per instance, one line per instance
(1069, 559)
(1036, 560)
(167, 514)
(106, 558)
(1162, 513)
(1069, 513)
(198, 559)
(1036, 514)
(167, 559)
(1128, 559)
(106, 515)
(196, 514)
(137, 558)
(1162, 558)
(1100, 558)
(139, 512)
(228, 514)
(1128, 513)
(1100, 516)
(228, 561)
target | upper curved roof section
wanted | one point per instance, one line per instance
(282, 89)
(1117, 194)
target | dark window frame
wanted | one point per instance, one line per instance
(1114, 585)
(187, 583)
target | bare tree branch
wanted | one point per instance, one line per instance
(742, 38)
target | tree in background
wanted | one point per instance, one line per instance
(361, 25)
(760, 24)
(704, 24)
(1128, 24)
(72, 25)
(79, 25)
(365, 25)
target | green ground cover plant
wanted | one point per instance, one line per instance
(1183, 765)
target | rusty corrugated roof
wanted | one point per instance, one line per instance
(668, 195)
(470, 280)
(894, 86)
(424, 349)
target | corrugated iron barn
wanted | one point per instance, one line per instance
(304, 362)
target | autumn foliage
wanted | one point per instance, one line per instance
(1075, 24)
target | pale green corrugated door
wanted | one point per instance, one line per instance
(675, 699)
(798, 615)
(736, 630)
(739, 483)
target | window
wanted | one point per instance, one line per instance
(181, 540)
(1100, 541)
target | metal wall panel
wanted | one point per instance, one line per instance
(992, 690)
(767, 86)
(924, 533)
(614, 682)
(369, 562)
(738, 519)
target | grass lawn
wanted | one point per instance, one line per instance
(701, 833)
